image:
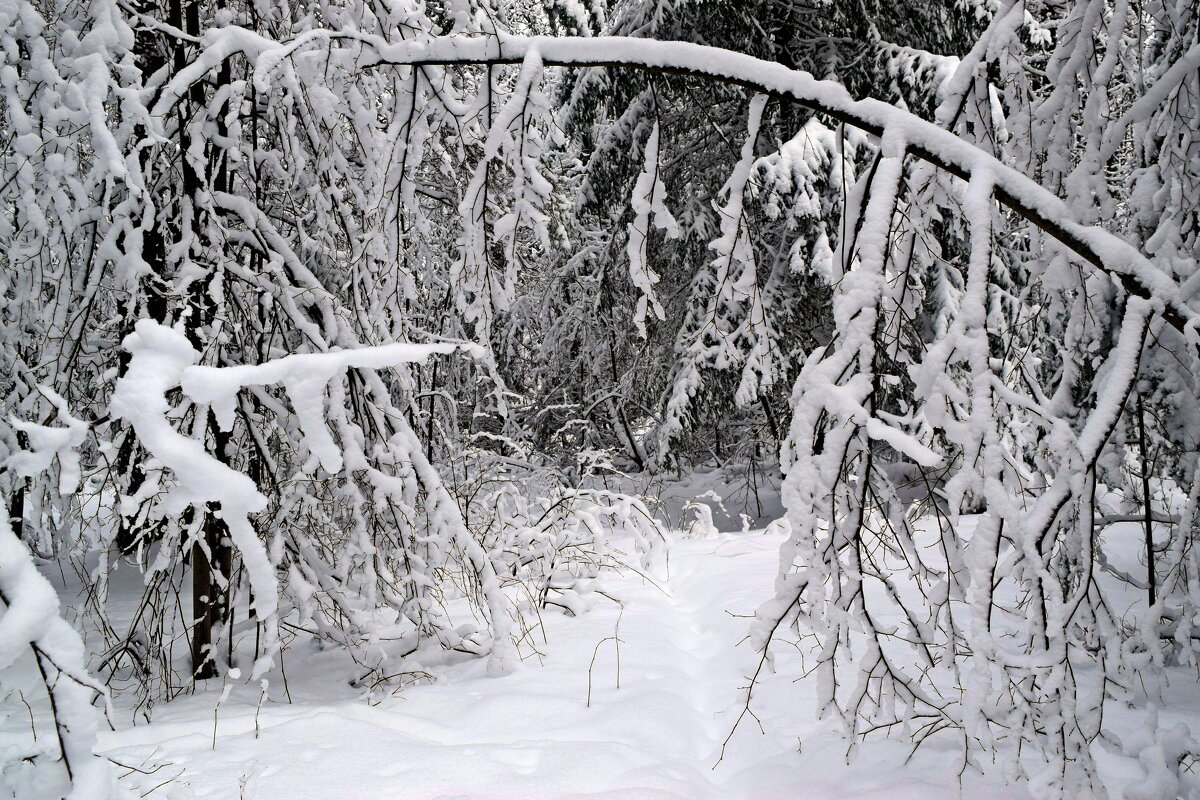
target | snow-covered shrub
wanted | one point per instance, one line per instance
(554, 533)
(43, 664)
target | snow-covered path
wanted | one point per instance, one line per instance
(532, 734)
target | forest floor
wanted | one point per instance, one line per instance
(654, 727)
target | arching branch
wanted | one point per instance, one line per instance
(925, 140)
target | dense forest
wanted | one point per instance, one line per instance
(395, 340)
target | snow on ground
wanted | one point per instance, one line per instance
(739, 496)
(532, 734)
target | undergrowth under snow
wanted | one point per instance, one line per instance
(578, 719)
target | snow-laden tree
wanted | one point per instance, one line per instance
(309, 259)
(262, 228)
(712, 342)
(264, 211)
(1012, 390)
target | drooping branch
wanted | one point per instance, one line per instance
(926, 141)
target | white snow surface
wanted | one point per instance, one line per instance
(532, 734)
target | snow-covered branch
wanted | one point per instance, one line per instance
(926, 140)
